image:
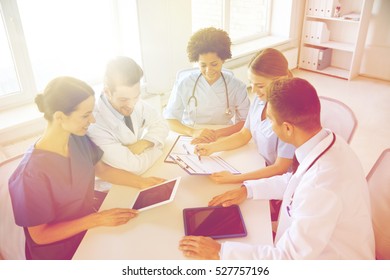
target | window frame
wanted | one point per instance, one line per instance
(226, 21)
(23, 67)
(18, 47)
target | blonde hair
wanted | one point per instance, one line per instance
(270, 63)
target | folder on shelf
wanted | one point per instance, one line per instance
(329, 8)
(315, 32)
(309, 7)
(322, 8)
(315, 58)
(324, 58)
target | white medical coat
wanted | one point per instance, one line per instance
(211, 101)
(329, 216)
(111, 134)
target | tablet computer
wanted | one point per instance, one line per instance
(214, 221)
(156, 195)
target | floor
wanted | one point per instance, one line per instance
(370, 101)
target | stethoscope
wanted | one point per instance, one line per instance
(288, 207)
(228, 112)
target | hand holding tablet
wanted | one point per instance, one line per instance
(157, 195)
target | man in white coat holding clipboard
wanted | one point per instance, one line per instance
(129, 131)
(325, 213)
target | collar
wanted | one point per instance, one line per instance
(318, 145)
(302, 152)
(109, 106)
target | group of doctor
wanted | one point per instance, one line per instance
(323, 212)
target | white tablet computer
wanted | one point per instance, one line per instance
(156, 195)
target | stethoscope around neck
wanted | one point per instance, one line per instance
(228, 112)
(288, 207)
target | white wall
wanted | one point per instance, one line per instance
(165, 27)
(376, 57)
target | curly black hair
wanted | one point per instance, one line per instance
(208, 40)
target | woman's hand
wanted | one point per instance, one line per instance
(151, 181)
(204, 149)
(114, 217)
(230, 198)
(204, 136)
(224, 177)
(200, 247)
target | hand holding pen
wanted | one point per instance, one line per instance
(203, 150)
(188, 153)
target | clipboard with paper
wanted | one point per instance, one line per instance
(182, 153)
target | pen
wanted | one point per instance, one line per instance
(185, 148)
(197, 152)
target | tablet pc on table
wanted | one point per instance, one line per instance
(214, 221)
(157, 195)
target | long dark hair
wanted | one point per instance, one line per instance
(62, 94)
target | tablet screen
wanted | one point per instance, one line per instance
(156, 195)
(216, 222)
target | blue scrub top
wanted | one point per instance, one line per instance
(211, 101)
(269, 146)
(49, 188)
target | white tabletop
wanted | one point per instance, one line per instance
(156, 232)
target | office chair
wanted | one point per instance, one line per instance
(12, 239)
(379, 186)
(338, 117)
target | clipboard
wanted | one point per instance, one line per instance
(182, 153)
(179, 149)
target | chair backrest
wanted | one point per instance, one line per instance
(185, 72)
(379, 185)
(338, 117)
(12, 239)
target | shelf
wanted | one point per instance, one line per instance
(344, 35)
(340, 19)
(334, 45)
(332, 71)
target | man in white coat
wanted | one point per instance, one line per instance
(325, 213)
(129, 131)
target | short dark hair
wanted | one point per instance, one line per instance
(62, 94)
(122, 70)
(295, 100)
(209, 40)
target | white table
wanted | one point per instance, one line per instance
(155, 233)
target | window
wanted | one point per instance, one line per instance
(8, 78)
(42, 39)
(244, 20)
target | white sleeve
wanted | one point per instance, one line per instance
(242, 102)
(175, 107)
(119, 156)
(268, 188)
(314, 213)
(155, 125)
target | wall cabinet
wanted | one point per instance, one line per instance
(333, 36)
